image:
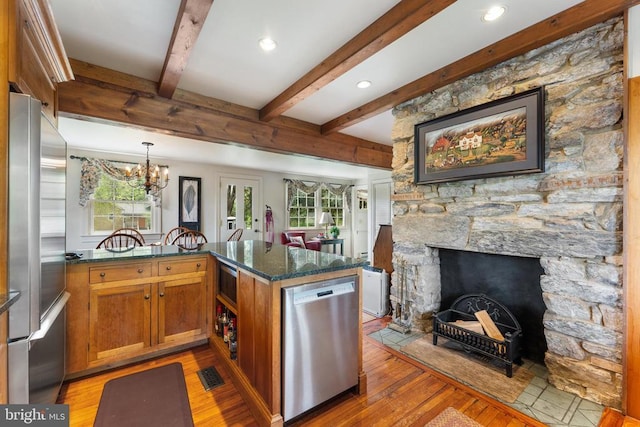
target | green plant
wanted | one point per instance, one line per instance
(334, 230)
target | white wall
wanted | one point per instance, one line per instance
(274, 195)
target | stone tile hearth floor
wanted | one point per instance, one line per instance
(540, 400)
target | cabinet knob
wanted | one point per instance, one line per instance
(102, 274)
(198, 265)
(147, 296)
(140, 270)
(161, 294)
(168, 267)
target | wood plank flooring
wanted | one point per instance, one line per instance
(400, 392)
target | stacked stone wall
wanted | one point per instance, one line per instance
(569, 216)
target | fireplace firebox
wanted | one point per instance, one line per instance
(513, 281)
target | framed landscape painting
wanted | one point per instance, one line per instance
(503, 137)
(189, 202)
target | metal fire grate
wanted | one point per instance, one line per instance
(507, 352)
(210, 378)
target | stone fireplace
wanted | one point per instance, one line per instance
(569, 217)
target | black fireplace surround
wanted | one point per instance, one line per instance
(513, 281)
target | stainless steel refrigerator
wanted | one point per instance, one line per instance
(37, 181)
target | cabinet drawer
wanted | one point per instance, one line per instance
(166, 268)
(119, 272)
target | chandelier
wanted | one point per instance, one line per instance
(153, 181)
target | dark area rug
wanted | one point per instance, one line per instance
(155, 397)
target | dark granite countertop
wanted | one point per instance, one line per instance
(270, 261)
(7, 300)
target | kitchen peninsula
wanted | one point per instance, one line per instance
(157, 299)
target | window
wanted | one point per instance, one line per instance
(302, 213)
(307, 202)
(116, 204)
(334, 205)
(232, 207)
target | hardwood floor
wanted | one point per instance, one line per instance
(400, 392)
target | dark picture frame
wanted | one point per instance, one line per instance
(499, 138)
(189, 202)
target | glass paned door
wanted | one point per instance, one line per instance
(241, 208)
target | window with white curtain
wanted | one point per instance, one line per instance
(115, 204)
(307, 200)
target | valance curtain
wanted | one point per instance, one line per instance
(336, 189)
(90, 177)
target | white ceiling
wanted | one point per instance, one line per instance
(227, 63)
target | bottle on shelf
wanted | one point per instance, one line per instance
(225, 327)
(231, 330)
(218, 321)
(233, 340)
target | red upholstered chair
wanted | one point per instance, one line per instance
(286, 239)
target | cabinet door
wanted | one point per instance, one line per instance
(182, 309)
(34, 76)
(119, 321)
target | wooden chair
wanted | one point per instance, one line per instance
(236, 235)
(173, 233)
(190, 239)
(119, 241)
(131, 231)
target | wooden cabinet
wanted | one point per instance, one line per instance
(181, 309)
(123, 311)
(38, 61)
(257, 371)
(120, 321)
(110, 273)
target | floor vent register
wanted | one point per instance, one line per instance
(210, 378)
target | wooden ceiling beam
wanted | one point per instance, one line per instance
(572, 20)
(397, 22)
(107, 95)
(189, 22)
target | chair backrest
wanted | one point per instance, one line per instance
(131, 231)
(173, 233)
(236, 235)
(119, 241)
(189, 239)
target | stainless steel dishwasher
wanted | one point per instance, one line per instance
(320, 345)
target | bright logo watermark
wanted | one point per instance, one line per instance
(34, 415)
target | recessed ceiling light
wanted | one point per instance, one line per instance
(267, 44)
(363, 84)
(494, 13)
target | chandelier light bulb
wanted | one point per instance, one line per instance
(151, 181)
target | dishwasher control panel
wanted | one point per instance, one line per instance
(303, 296)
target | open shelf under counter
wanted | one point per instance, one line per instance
(227, 303)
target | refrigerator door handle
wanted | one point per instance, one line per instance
(50, 317)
